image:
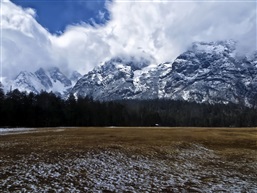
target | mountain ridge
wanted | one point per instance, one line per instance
(207, 72)
(49, 80)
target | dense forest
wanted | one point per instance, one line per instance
(19, 109)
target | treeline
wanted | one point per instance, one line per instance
(19, 109)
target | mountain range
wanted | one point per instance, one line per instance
(50, 80)
(210, 72)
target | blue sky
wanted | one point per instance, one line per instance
(56, 15)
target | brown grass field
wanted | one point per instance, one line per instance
(129, 160)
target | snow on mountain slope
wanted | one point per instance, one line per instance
(207, 72)
(123, 78)
(57, 76)
(117, 78)
(27, 81)
(45, 80)
(211, 73)
(75, 76)
(50, 80)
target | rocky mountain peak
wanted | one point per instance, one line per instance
(75, 76)
(57, 75)
(51, 79)
(44, 79)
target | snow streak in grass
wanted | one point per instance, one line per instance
(193, 168)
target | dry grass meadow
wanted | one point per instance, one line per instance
(129, 160)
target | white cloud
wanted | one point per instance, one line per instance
(160, 29)
(25, 44)
(31, 11)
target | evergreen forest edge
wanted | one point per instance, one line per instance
(20, 109)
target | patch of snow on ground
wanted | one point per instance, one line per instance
(192, 168)
(4, 131)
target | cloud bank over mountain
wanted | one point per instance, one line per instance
(157, 30)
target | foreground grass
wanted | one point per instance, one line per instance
(63, 140)
(162, 159)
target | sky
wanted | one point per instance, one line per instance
(56, 15)
(79, 35)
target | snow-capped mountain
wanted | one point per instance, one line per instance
(212, 72)
(207, 72)
(117, 78)
(123, 78)
(50, 80)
